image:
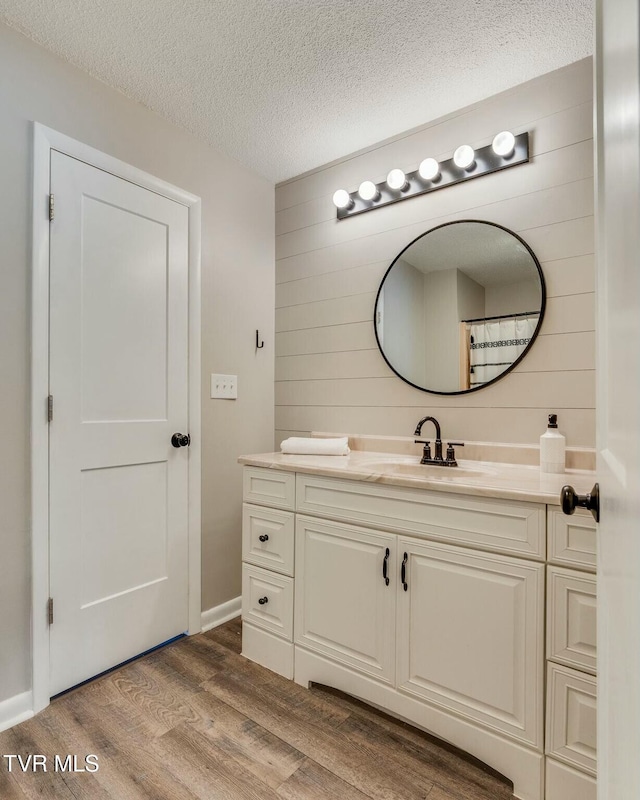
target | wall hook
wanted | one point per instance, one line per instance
(259, 344)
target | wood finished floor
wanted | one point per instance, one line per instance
(197, 720)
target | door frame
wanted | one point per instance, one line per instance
(44, 141)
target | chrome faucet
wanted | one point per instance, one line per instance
(450, 460)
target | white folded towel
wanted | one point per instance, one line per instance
(299, 445)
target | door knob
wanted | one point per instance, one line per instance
(181, 440)
(570, 500)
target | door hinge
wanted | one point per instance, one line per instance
(51, 206)
(50, 610)
(50, 408)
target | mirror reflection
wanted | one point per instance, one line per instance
(459, 307)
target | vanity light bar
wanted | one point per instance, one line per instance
(505, 151)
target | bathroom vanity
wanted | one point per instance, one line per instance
(461, 600)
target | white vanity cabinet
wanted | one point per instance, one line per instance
(570, 739)
(455, 607)
(268, 524)
(432, 605)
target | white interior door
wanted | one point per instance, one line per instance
(618, 414)
(119, 379)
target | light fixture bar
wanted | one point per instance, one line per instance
(486, 161)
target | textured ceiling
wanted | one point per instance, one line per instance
(489, 255)
(285, 86)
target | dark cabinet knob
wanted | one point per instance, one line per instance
(181, 440)
(264, 537)
(569, 500)
(263, 601)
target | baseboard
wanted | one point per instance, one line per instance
(219, 614)
(15, 710)
(565, 783)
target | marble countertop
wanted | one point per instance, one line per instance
(480, 478)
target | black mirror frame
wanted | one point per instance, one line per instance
(543, 305)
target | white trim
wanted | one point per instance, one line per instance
(39, 425)
(195, 421)
(218, 615)
(44, 140)
(15, 710)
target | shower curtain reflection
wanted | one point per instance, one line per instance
(494, 344)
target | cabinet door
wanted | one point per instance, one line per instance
(345, 609)
(470, 635)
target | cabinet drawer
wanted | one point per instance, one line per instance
(571, 618)
(571, 717)
(267, 538)
(572, 540)
(269, 487)
(275, 613)
(508, 526)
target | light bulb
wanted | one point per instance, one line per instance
(396, 179)
(504, 143)
(464, 156)
(429, 169)
(368, 190)
(341, 199)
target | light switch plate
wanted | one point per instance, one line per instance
(224, 387)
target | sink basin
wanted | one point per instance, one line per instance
(411, 467)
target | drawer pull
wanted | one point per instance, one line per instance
(263, 600)
(403, 572)
(264, 537)
(385, 567)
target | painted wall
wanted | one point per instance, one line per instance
(471, 297)
(329, 373)
(404, 323)
(237, 298)
(442, 330)
(512, 297)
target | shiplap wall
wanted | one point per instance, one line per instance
(330, 375)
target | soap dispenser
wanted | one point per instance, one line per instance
(552, 448)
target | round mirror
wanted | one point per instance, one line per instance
(459, 307)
